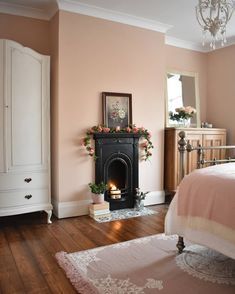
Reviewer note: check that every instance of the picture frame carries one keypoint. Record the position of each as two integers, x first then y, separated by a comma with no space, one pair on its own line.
117,109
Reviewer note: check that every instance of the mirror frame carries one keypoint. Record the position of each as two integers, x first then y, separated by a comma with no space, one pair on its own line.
197,102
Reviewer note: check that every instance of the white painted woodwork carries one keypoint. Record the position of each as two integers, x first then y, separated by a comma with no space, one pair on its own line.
18,180
19,197
2,161
24,130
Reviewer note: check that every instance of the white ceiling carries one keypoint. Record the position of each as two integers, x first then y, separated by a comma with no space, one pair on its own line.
175,17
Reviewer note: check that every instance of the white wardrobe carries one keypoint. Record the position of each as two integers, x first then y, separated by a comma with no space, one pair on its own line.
24,130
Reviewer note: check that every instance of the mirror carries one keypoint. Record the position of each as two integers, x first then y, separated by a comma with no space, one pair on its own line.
182,90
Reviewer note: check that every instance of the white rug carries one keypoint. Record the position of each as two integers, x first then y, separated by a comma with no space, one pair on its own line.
125,213
149,265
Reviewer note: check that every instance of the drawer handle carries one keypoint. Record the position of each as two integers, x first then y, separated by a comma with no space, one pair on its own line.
27,180
28,196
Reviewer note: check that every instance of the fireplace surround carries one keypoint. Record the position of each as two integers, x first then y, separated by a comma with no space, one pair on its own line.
117,164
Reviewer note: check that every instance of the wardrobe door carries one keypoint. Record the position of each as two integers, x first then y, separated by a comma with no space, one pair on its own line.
27,137
2,107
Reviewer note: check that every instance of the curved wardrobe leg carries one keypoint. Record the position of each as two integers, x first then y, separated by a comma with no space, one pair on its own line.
180,244
49,214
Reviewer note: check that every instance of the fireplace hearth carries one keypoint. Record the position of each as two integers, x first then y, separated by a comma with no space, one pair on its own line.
117,164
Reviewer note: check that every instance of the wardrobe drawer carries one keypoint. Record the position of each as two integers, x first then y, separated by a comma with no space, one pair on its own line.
23,181
24,197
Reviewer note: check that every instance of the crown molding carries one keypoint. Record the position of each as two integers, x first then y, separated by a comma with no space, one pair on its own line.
15,9
90,10
196,46
172,41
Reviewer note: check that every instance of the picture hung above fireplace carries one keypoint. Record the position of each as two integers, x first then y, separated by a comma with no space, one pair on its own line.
117,109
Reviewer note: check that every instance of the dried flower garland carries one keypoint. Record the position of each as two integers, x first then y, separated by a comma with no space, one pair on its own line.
147,145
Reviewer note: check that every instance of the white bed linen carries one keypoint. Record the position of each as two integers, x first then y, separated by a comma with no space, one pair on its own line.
222,238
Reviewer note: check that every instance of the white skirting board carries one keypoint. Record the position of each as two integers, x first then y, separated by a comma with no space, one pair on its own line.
154,197
78,208
70,208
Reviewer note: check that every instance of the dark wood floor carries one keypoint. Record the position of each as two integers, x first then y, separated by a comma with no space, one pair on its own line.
28,246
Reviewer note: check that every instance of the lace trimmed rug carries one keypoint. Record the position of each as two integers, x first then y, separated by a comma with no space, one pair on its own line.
149,265
125,213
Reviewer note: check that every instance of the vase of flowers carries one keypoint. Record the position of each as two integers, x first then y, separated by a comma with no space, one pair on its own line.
183,115
97,191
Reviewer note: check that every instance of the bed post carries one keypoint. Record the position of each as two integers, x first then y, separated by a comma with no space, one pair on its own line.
182,148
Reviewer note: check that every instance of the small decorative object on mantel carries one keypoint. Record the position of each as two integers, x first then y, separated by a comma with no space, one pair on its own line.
97,191
146,145
183,115
139,197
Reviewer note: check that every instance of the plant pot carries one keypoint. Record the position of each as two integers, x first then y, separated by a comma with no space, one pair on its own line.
97,198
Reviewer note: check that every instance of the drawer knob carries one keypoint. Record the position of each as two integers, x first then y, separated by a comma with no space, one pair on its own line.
27,180
28,196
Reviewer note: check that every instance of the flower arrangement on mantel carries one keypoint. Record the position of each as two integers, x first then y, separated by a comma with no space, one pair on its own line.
147,145
182,113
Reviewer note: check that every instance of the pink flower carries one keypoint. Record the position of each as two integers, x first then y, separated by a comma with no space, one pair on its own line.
118,129
142,129
135,130
100,129
149,135
190,110
91,152
91,131
145,144
106,130
180,109
128,129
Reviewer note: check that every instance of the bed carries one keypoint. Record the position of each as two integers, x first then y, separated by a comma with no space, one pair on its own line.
203,208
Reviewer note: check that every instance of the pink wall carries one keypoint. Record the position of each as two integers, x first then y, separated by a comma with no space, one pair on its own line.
192,61
32,33
221,90
98,55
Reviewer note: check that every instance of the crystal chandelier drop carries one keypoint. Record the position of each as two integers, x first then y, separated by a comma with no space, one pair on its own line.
213,16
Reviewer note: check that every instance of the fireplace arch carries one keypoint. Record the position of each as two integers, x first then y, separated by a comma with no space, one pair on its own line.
117,164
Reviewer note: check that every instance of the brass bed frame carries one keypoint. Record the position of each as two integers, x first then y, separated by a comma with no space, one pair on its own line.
185,146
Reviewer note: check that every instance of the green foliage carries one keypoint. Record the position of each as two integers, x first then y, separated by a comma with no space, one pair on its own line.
98,188
179,116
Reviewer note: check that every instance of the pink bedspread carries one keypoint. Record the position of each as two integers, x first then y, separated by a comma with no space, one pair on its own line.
209,193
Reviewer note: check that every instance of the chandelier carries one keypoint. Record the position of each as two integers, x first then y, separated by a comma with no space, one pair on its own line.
213,16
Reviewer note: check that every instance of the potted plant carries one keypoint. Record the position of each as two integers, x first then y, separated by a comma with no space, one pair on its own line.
97,191
139,199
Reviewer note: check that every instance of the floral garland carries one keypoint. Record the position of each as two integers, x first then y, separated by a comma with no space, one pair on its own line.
146,145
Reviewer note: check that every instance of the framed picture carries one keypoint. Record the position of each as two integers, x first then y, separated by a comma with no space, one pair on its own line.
117,109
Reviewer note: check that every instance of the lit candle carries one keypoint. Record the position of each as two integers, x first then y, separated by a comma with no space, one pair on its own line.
114,192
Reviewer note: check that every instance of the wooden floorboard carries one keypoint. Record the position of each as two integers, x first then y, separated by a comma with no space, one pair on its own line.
28,246
10,281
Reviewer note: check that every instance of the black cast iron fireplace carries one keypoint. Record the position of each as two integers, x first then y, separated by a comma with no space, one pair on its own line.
117,164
